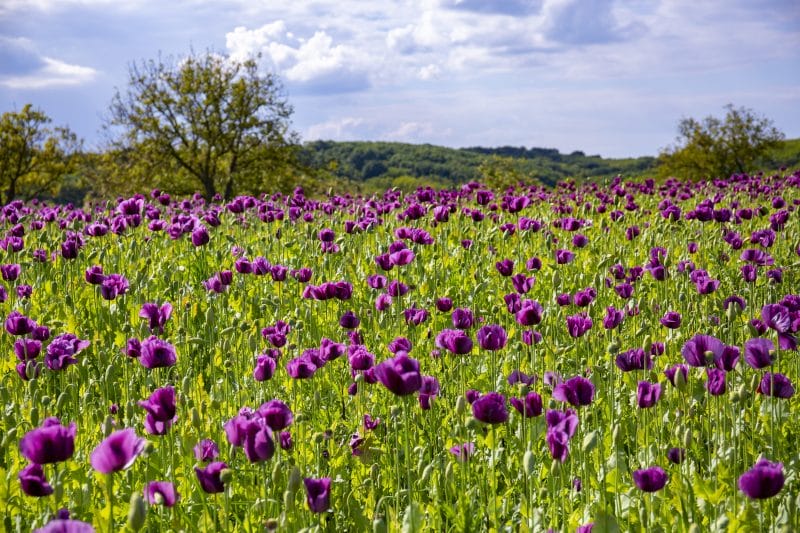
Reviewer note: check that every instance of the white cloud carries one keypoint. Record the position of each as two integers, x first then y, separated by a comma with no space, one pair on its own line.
336,130
26,69
315,63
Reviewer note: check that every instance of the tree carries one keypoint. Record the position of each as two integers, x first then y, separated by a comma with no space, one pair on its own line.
219,124
33,157
716,147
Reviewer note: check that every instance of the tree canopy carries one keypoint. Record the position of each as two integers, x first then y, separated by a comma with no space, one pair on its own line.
207,122
717,147
34,157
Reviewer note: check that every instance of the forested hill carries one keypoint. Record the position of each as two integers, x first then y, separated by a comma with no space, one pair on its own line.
387,161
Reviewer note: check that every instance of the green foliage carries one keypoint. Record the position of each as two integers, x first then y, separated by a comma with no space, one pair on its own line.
33,156
368,161
717,148
207,122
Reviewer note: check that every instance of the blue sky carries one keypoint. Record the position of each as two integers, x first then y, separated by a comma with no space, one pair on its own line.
606,77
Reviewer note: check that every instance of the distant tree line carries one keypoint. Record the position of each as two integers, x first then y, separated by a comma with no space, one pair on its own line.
222,127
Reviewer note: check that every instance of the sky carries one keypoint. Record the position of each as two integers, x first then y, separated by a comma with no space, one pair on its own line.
602,76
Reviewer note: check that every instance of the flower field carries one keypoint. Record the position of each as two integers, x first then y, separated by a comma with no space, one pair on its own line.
595,357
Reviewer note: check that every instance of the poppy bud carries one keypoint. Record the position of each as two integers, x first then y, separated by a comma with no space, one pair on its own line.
613,348
687,437
226,475
137,512
295,480
426,474
288,500
529,462
590,441
648,343
461,405
379,525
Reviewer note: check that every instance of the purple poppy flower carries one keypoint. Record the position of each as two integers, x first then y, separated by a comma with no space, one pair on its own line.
490,408
505,267
401,257
455,341
701,350
27,349
758,352
671,320
18,324
258,443
727,359
715,382
776,385
113,286
349,320
49,443
578,325
117,452
206,450
676,455
200,236
243,266
530,406
133,348
301,367
400,375
462,318
156,315
647,394
517,376
558,443
564,256
635,359
613,317
94,275
40,333
285,440
492,337
161,410
302,275
62,350
318,494
415,316
650,479
463,452
522,283
33,482
210,478
161,492
399,344
576,391
65,525
265,368
529,314
764,480
157,353
277,414
444,304
428,391
677,375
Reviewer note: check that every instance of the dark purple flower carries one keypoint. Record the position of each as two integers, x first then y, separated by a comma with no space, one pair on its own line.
462,318
522,283
650,479
677,375
463,452
564,256
62,350
399,344
613,317
318,494
33,482
490,408
776,385
400,375
26,349
635,359
676,455
529,314
517,376
161,410
156,316
265,368
492,337
94,275
401,257
206,450
576,391
210,478
505,267
161,492
530,406
702,350
444,304
113,286
764,480
133,348
428,391
715,382
61,525
285,440
258,442
19,324
200,236
301,367
277,414
647,394
117,452
349,320
157,353
671,320
758,352
727,359
578,325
